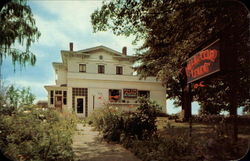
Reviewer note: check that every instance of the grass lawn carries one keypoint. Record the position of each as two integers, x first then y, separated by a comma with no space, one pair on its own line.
169,127
201,132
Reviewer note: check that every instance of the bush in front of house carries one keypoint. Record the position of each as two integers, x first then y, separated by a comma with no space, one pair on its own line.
116,125
142,123
36,134
108,120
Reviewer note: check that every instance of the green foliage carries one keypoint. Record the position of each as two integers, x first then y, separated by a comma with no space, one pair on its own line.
137,132
17,27
117,125
12,98
109,121
142,124
171,31
36,134
122,17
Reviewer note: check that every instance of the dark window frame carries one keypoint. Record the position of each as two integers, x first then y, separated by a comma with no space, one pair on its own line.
51,97
101,69
65,97
147,95
58,92
112,93
82,68
119,70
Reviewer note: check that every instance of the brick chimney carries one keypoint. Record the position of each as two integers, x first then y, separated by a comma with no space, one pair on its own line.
124,50
71,46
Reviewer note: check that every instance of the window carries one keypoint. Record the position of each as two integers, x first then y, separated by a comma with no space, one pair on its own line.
114,95
145,94
100,57
58,92
101,69
119,70
65,97
82,68
52,97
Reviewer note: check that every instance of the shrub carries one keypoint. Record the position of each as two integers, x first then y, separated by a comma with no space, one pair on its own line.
36,134
114,123
142,123
109,121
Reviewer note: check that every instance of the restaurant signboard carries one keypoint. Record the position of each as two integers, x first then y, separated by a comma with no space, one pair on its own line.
203,63
129,93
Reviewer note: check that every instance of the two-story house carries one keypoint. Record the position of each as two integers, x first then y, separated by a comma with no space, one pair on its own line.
90,78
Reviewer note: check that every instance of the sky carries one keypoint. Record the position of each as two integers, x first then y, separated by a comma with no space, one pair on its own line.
61,22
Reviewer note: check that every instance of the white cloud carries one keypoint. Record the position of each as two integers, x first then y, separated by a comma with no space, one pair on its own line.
50,35
69,18
72,23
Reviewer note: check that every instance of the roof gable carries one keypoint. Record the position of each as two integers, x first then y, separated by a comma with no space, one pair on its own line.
88,51
93,49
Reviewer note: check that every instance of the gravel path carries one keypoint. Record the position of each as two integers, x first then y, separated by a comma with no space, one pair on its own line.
89,146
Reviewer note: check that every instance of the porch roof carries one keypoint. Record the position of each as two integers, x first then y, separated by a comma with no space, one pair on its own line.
55,87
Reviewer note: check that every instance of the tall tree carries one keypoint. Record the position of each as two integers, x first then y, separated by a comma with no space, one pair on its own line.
17,27
171,30
17,97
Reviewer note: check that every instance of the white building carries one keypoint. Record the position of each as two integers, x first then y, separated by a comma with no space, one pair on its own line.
90,78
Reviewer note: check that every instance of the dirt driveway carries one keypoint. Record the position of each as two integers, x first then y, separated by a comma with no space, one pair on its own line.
88,146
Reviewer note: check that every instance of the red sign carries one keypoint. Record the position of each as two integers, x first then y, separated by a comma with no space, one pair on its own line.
129,93
196,85
203,63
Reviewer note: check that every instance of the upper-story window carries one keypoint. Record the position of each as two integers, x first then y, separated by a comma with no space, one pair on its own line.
82,68
119,70
100,57
101,69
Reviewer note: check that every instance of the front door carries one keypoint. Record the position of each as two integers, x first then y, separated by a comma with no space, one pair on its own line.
80,105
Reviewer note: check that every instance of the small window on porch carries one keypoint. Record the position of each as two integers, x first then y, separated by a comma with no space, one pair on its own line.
52,97
58,92
114,95
65,97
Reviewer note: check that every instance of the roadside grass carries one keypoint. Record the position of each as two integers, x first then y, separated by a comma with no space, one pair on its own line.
167,127
205,132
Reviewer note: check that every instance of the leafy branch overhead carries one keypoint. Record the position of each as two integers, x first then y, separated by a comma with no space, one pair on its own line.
171,31
17,27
